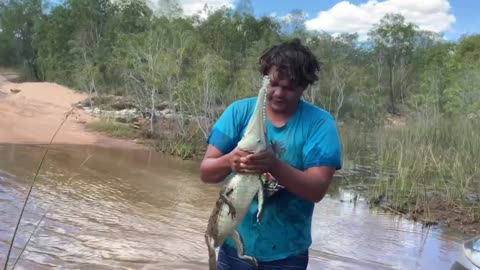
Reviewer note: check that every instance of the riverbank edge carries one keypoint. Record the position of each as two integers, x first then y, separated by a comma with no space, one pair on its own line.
437,213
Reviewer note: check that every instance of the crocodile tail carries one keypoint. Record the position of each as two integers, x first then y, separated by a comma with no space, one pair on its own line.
212,256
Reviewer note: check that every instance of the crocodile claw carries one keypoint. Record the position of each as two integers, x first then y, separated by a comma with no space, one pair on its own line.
231,211
231,208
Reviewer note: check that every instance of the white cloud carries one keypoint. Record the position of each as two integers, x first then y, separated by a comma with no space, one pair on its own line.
191,7
291,17
432,15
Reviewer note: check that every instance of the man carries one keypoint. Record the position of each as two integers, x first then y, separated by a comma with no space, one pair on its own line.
304,155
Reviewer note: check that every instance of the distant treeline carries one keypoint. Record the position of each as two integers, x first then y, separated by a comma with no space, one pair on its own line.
202,63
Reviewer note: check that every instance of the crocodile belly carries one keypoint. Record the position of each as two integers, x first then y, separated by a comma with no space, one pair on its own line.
245,187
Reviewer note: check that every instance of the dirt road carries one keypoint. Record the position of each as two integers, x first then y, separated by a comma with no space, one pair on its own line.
30,113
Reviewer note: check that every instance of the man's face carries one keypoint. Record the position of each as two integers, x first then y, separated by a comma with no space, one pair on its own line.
282,94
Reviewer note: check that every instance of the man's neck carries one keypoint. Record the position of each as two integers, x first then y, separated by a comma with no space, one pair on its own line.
280,118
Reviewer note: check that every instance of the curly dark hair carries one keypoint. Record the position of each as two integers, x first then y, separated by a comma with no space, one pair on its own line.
293,60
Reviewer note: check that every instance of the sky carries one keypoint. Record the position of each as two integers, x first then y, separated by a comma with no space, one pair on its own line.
452,18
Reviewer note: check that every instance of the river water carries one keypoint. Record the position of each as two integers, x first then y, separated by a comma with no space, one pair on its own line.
133,209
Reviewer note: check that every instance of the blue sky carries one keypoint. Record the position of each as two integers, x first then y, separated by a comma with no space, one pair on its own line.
463,15
468,18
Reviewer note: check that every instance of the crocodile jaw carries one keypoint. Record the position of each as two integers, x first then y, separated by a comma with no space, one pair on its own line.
254,138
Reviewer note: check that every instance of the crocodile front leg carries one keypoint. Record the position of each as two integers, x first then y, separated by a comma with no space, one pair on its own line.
224,196
240,251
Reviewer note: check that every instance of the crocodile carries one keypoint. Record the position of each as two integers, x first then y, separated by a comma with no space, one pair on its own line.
238,193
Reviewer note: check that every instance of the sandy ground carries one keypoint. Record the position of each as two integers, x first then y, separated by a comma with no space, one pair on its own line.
33,114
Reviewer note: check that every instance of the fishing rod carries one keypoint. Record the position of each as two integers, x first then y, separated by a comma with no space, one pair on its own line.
31,187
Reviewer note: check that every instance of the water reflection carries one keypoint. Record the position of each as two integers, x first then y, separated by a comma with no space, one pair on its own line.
377,240
131,209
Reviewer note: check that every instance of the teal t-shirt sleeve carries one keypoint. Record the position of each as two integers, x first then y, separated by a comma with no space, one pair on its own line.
225,133
323,145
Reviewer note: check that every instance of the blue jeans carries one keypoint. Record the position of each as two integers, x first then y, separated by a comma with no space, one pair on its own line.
228,260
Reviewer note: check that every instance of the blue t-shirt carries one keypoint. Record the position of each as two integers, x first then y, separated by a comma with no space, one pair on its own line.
308,139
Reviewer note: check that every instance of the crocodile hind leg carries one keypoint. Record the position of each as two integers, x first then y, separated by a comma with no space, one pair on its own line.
224,196
240,251
212,256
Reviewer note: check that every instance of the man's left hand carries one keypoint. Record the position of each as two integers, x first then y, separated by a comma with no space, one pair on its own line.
259,163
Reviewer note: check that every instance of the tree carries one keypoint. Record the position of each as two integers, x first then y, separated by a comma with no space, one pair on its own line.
166,8
18,20
230,35
393,39
244,7
463,91
294,22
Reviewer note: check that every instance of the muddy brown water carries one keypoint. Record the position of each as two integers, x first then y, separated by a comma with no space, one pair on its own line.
134,209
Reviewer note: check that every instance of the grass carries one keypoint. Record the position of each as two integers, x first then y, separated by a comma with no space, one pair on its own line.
15,74
114,129
356,143
185,145
6,69
430,165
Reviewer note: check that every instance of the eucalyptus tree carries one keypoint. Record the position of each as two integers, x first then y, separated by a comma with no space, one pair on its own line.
394,42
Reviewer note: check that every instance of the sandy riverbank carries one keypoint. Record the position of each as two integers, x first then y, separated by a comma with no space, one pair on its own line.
30,113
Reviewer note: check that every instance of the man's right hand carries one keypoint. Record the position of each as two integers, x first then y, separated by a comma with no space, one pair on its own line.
235,160
216,166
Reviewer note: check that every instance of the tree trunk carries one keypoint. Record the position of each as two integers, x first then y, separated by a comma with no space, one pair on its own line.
152,116
392,89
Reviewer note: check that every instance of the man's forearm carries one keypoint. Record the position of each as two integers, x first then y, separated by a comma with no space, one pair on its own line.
213,170
309,186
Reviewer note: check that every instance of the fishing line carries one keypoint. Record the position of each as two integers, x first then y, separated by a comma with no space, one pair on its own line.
30,190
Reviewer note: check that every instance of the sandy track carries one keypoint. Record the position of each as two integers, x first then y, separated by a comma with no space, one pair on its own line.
32,115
